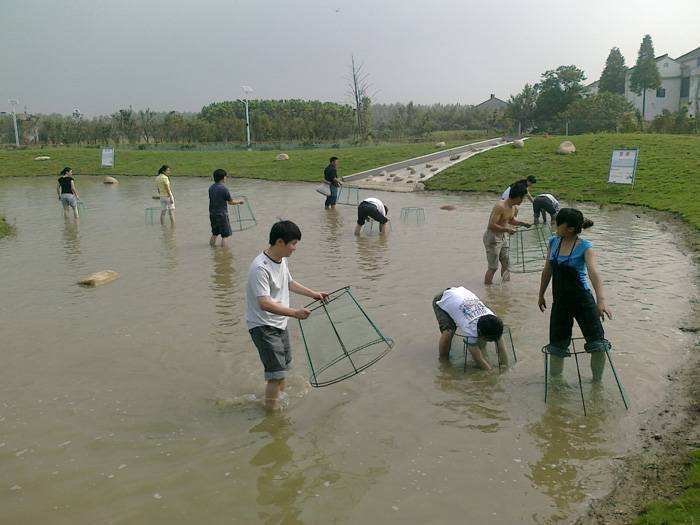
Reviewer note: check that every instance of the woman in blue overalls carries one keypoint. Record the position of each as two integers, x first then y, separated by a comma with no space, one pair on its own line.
568,258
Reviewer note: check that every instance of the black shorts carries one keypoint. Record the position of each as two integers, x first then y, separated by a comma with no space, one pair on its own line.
445,322
274,350
365,210
584,310
220,224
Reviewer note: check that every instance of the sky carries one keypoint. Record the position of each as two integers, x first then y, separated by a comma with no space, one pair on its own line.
99,55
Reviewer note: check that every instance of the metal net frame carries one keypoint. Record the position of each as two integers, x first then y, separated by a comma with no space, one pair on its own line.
507,335
150,214
528,248
322,371
349,196
371,226
241,216
412,215
572,351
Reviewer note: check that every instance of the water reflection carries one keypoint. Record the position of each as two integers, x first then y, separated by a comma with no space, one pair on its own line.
331,235
170,247
372,259
71,240
224,285
279,482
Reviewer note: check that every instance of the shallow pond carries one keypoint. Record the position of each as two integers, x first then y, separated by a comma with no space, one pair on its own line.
133,402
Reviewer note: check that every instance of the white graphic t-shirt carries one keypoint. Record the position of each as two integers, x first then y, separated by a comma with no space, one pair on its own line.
377,204
465,309
267,278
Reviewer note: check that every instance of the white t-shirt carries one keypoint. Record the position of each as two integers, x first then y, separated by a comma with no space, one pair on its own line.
377,204
465,309
267,278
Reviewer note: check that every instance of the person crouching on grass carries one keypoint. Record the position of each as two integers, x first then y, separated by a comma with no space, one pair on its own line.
267,306
568,258
460,309
219,199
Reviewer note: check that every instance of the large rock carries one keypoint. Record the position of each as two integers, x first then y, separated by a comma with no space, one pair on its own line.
98,278
42,157
519,143
448,207
110,180
282,156
566,148
397,179
434,169
440,144
455,157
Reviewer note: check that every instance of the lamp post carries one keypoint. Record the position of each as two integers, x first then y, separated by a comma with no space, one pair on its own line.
247,90
13,106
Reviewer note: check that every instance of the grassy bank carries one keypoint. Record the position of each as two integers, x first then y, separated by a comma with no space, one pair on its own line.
683,509
668,173
303,165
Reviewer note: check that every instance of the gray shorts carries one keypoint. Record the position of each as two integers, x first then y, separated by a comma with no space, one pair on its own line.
497,250
274,349
445,322
68,199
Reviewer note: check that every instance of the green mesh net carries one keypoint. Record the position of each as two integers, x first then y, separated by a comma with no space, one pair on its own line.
340,339
241,216
348,195
490,351
528,248
412,215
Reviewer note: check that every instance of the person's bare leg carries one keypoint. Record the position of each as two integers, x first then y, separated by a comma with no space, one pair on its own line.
212,240
382,228
357,229
475,351
65,209
488,278
172,217
505,274
223,242
504,259
162,217
445,344
272,390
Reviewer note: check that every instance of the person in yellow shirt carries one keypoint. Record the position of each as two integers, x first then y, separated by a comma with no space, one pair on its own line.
167,201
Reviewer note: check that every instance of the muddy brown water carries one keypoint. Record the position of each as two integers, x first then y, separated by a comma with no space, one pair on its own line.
135,402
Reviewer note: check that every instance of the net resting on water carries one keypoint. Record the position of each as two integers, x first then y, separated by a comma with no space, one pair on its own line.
340,339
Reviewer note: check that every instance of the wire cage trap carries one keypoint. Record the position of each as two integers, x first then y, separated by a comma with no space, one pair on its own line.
82,208
412,215
490,350
151,214
348,195
554,359
340,339
371,227
241,216
528,249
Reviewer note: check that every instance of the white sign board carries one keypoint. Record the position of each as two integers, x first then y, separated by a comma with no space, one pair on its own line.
623,166
107,157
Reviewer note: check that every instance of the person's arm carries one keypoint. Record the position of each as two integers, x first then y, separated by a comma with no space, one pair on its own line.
475,351
300,289
544,282
170,192
529,196
515,222
236,202
597,283
493,221
268,305
75,192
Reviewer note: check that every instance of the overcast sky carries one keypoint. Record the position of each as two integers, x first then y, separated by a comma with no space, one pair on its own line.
99,55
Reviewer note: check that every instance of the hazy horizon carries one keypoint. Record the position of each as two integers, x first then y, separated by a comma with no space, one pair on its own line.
180,55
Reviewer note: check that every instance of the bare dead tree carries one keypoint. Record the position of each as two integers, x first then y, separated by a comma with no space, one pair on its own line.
358,90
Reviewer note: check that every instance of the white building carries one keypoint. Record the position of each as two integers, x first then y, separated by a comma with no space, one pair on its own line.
680,86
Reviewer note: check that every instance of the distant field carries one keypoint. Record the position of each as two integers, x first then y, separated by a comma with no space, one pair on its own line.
303,165
668,173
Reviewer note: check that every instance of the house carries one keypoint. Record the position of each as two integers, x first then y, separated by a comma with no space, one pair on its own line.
492,104
680,86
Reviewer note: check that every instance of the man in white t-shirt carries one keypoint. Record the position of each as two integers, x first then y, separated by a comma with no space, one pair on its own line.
267,306
372,208
459,310
531,180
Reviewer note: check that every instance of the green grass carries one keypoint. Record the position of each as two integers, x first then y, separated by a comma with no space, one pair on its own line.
304,165
668,172
683,509
5,228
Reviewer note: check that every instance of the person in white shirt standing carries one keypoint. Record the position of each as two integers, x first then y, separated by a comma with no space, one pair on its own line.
460,310
372,208
267,306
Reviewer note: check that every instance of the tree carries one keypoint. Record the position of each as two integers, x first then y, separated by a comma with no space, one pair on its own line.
558,88
645,74
612,80
521,107
358,87
147,122
601,112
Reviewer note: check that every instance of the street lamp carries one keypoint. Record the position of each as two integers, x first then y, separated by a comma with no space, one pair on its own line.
13,106
247,90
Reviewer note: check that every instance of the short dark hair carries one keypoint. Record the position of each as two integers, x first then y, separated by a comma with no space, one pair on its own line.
518,190
163,169
219,175
285,230
333,159
573,218
65,170
489,327
531,179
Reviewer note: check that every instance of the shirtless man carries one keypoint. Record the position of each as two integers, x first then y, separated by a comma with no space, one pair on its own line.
501,221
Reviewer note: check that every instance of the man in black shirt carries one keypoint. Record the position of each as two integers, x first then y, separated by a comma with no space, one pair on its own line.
219,199
330,174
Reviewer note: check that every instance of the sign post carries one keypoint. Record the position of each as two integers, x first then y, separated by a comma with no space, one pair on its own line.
107,157
623,166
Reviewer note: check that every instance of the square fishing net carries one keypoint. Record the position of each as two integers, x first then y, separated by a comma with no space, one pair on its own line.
528,248
241,216
340,339
413,215
490,351
151,214
348,195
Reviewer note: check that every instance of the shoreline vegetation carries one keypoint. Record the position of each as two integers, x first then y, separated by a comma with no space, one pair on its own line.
6,228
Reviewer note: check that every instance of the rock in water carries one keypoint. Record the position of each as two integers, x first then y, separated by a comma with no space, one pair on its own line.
110,180
282,156
433,169
566,148
519,143
440,144
398,179
448,207
98,278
